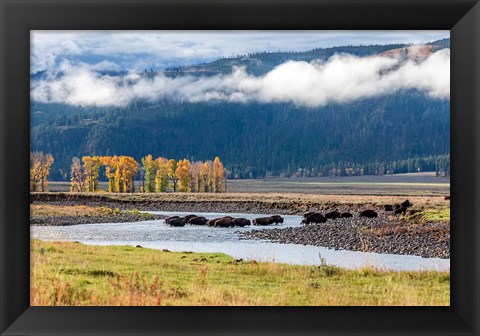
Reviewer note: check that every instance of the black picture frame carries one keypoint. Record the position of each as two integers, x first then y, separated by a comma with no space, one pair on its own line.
18,17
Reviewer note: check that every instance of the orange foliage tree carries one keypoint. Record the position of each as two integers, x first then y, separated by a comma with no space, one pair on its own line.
183,174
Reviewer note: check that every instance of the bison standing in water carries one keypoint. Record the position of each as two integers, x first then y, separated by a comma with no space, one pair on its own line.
167,220
241,222
224,222
277,219
197,221
177,222
263,221
368,213
188,217
315,217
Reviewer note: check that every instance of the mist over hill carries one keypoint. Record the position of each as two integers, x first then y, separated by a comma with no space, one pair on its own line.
394,125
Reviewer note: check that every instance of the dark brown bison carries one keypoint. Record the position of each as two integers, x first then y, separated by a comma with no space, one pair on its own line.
197,221
188,217
224,222
406,204
263,221
397,206
315,217
308,213
169,218
277,219
447,198
241,222
177,222
388,207
332,215
211,222
402,210
368,213
346,215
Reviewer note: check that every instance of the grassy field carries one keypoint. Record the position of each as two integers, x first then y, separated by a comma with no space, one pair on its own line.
77,274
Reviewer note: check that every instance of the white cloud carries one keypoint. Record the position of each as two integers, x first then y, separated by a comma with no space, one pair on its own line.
343,78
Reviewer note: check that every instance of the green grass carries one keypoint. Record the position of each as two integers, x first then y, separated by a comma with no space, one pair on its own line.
77,274
439,214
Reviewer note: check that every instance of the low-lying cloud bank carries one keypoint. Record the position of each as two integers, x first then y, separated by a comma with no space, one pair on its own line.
341,79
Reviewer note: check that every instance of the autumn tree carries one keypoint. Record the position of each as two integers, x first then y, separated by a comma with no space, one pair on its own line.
150,166
171,168
161,175
76,179
111,165
40,165
91,171
206,175
125,173
218,174
183,174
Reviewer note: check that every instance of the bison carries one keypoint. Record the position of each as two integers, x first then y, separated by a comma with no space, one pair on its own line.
188,217
241,222
167,220
388,207
315,217
447,198
308,213
346,215
368,213
224,222
197,221
332,215
406,204
177,222
211,222
402,210
263,221
277,219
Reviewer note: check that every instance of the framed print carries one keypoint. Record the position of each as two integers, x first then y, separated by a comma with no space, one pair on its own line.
264,167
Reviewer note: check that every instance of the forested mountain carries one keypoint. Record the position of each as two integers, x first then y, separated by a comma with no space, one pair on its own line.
399,132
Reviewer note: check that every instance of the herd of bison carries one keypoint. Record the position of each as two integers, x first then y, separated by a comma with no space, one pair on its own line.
308,217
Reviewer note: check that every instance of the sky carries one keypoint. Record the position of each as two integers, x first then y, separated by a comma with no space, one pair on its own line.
137,50
72,60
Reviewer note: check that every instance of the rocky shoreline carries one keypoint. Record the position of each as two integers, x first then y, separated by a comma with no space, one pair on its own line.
429,240
75,220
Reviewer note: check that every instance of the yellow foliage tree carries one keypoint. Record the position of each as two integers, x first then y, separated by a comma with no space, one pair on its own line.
91,171
40,165
161,175
150,166
183,174
111,165
218,174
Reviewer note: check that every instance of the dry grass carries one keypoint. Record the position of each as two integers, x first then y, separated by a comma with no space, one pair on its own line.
70,210
76,274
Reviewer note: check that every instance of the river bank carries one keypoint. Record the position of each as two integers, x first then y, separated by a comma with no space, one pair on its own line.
66,215
125,275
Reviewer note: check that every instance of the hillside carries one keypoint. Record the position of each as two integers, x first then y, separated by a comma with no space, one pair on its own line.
387,132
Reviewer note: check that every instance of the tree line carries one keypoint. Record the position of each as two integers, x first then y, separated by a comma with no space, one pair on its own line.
158,175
